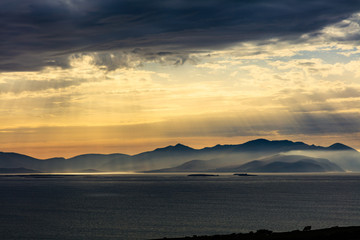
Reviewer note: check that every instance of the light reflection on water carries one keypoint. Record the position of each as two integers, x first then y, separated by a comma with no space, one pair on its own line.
144,206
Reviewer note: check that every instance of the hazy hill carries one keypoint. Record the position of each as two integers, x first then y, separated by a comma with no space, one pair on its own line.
173,156
277,163
348,160
193,166
285,163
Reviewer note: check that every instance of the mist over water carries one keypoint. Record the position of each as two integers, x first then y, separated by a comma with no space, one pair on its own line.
145,206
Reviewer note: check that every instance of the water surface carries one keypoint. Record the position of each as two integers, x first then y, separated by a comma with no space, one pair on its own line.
145,206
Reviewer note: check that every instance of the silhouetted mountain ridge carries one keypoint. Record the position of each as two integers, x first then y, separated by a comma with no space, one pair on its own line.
340,147
277,146
175,155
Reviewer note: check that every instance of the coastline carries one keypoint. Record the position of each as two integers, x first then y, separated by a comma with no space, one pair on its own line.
333,233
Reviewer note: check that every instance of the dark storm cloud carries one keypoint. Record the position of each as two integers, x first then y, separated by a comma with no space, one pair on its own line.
38,33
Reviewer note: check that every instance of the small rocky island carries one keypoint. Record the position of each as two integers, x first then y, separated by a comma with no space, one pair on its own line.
244,175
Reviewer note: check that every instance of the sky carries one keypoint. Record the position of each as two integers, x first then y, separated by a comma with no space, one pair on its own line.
106,76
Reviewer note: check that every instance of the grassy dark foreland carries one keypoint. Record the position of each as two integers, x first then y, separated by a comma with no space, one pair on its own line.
334,233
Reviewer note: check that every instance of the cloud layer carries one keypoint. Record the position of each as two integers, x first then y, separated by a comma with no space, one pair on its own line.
41,33
117,73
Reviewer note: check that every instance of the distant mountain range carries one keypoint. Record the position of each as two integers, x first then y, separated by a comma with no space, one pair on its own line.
17,170
274,156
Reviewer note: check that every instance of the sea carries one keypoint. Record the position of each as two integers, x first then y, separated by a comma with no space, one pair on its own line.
149,206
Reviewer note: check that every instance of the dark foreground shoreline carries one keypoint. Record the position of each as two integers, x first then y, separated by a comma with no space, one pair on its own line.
334,233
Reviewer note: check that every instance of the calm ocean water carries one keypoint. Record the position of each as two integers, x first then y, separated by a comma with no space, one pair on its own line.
155,206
